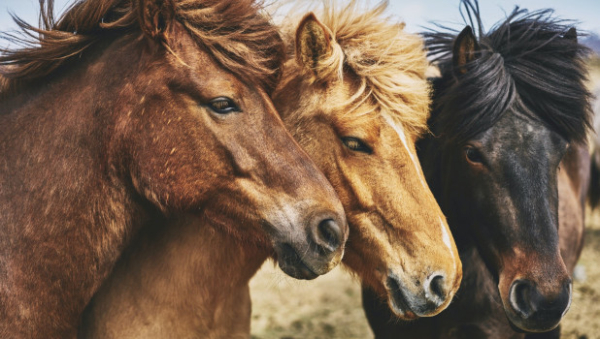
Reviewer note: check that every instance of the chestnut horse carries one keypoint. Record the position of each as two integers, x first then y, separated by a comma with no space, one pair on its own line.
509,168
123,113
355,97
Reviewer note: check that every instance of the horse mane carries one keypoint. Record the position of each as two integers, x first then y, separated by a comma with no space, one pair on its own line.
389,62
234,32
526,61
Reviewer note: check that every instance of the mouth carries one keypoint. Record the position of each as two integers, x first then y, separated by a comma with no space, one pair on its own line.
398,301
515,327
524,326
292,264
301,271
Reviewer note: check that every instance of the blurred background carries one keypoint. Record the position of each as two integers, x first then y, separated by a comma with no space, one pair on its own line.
414,13
330,306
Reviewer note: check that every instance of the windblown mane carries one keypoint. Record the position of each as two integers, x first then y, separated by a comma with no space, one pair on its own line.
238,36
525,60
390,62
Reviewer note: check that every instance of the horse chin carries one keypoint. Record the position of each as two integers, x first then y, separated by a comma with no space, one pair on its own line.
292,264
407,304
297,270
400,312
399,305
524,326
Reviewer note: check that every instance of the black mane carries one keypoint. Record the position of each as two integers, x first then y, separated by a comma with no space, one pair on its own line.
525,62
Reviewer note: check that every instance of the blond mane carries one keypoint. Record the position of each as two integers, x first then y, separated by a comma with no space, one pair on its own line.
235,32
390,62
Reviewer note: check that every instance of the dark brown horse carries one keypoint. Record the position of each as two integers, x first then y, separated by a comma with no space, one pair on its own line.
508,166
124,113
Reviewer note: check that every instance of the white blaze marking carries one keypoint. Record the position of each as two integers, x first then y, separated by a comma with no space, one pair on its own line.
445,235
446,239
400,131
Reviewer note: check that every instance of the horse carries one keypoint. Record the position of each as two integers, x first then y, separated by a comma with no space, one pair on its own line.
355,96
122,113
508,163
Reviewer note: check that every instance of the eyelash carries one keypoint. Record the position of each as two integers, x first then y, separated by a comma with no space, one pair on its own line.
357,145
223,105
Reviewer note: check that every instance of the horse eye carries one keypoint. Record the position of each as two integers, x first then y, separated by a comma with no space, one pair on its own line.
473,155
357,145
223,105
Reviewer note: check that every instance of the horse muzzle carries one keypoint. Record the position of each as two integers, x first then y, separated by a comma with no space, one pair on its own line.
426,301
531,310
315,253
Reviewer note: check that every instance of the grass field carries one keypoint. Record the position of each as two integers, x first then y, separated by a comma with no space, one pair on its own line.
330,307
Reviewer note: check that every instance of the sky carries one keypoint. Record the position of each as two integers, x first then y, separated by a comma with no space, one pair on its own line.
415,13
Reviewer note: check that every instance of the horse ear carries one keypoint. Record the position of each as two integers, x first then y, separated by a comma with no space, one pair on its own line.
464,50
571,34
313,43
156,17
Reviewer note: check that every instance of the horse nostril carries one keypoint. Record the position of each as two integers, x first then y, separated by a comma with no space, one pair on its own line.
520,298
423,303
436,288
329,234
398,297
538,309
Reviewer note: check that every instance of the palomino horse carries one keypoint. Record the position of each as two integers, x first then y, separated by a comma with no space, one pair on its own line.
126,112
509,168
355,97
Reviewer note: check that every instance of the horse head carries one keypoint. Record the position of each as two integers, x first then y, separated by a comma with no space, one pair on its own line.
503,131
355,98
201,133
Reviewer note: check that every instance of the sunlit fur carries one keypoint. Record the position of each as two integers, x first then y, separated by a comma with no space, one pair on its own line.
107,128
370,83
241,41
389,62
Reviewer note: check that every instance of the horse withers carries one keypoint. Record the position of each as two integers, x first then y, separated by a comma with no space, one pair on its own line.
340,99
123,113
508,164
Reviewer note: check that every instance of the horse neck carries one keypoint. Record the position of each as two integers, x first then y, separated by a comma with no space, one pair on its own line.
69,117
58,194
183,272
